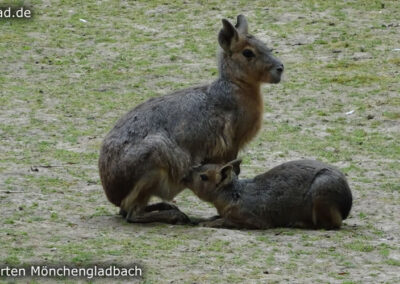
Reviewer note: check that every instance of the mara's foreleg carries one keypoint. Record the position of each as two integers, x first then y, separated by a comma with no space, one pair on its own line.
221,223
199,220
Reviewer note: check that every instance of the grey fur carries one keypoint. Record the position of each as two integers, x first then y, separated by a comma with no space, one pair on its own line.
303,193
152,148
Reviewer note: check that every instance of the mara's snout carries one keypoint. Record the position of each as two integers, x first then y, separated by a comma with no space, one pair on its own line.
276,73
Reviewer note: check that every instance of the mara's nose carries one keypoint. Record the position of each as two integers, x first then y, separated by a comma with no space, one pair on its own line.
280,68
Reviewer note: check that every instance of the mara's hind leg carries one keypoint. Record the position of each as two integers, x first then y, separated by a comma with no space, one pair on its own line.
326,215
171,216
160,174
135,209
161,206
159,212
331,199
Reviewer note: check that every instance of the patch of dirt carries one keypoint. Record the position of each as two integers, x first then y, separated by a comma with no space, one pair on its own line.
53,208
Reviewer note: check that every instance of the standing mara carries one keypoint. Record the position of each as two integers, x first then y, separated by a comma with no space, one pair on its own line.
153,147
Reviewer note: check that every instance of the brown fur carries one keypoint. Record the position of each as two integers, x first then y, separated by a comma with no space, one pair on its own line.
305,193
153,147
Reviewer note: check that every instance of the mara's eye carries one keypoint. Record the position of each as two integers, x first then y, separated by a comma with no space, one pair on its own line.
204,177
248,53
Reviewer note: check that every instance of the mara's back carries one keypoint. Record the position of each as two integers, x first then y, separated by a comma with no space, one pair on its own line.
191,119
285,194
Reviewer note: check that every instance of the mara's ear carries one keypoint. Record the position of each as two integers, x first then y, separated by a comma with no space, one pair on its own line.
227,36
241,24
236,165
226,173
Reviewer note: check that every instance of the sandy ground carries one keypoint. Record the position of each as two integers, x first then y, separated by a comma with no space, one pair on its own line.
54,115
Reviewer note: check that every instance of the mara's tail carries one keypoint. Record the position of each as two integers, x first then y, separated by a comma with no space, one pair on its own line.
331,199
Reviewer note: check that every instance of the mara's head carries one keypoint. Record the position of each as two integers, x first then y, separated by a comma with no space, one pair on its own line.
206,179
245,58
